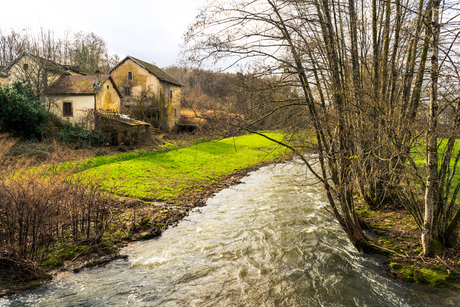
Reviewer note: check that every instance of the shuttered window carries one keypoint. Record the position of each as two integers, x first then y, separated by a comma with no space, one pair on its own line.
67,109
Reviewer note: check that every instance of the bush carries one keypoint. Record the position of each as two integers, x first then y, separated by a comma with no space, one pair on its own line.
39,208
76,135
21,112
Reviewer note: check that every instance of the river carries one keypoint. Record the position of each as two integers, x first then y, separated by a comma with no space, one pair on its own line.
265,242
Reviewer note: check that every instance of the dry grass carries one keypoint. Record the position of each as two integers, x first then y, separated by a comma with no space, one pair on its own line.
201,117
17,154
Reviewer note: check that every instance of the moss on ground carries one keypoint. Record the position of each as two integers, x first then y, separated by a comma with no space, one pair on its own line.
434,275
397,231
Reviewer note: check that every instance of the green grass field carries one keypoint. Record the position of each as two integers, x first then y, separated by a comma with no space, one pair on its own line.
165,176
419,156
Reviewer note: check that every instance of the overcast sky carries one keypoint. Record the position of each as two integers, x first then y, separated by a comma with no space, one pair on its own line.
150,30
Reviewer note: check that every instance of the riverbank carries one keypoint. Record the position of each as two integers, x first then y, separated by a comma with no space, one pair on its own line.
394,229
130,218
267,241
143,217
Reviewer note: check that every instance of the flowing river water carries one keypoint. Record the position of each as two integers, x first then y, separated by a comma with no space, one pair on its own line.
265,242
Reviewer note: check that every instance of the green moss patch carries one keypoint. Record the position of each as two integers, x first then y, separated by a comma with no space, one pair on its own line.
428,274
61,252
396,230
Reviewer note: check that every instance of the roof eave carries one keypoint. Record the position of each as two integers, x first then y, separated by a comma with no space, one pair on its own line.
140,64
70,94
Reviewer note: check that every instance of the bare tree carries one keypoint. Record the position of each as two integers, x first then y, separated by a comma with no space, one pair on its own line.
360,69
86,50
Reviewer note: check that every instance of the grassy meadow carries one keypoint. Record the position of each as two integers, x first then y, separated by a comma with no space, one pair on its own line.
168,175
419,156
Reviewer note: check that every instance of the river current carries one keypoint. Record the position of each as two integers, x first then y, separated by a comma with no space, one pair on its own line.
265,242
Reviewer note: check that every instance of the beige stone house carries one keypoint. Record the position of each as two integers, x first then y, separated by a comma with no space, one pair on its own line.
38,72
71,97
145,85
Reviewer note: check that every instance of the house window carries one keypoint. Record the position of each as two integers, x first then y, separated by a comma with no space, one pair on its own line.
130,75
175,113
170,94
107,87
127,91
67,109
25,66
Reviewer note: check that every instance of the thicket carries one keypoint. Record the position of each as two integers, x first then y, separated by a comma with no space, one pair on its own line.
229,100
21,112
38,208
78,136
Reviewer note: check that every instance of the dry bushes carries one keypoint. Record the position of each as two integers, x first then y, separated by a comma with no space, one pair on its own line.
38,208
17,154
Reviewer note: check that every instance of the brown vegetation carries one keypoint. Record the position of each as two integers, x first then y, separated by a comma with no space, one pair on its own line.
40,208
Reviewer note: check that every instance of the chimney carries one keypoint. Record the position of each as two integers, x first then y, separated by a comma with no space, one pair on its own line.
98,76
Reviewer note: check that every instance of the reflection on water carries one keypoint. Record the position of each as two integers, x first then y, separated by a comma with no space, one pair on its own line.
265,242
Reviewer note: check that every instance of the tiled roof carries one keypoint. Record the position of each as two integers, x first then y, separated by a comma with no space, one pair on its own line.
125,120
48,64
156,71
75,68
79,85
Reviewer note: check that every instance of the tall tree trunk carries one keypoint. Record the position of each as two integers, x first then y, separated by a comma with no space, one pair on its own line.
432,143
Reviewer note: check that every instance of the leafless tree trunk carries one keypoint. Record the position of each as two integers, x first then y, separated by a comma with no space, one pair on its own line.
364,100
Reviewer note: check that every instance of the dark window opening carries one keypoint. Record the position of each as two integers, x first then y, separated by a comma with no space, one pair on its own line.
107,87
130,75
25,66
175,113
67,110
127,91
170,94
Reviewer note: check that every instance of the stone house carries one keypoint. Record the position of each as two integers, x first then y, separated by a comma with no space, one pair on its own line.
38,72
70,97
144,85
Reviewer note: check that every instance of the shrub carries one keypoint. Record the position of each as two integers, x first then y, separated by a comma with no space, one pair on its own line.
76,135
38,208
21,112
